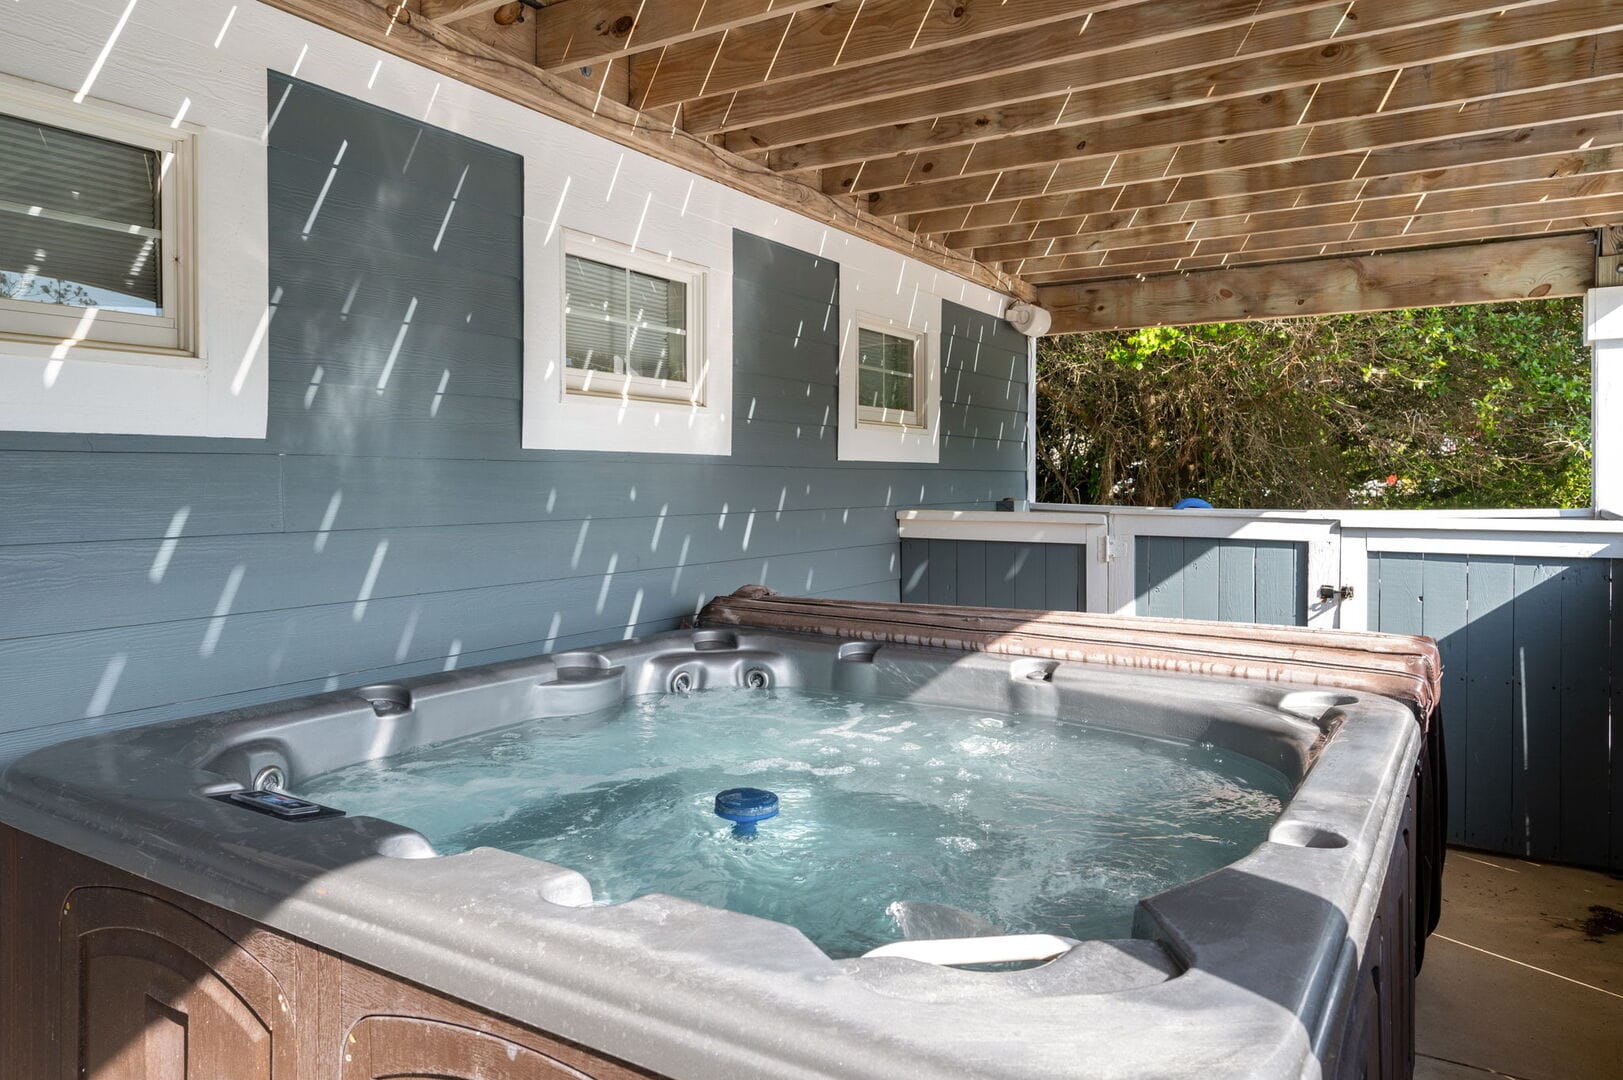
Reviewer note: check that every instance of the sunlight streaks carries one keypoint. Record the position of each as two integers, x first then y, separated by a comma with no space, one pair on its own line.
166,550
451,209
252,351
309,222
370,581
225,26
327,520
399,340
222,611
103,695
106,50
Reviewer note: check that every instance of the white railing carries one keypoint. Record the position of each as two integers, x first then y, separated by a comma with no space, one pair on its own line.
1338,543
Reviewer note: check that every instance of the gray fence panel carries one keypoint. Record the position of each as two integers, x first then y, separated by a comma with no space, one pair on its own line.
1262,581
1531,666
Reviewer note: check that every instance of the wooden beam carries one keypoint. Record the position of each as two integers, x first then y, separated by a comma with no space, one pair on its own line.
580,33
1162,261
1609,256
1480,274
1309,49
1422,231
1018,50
461,57
841,35
1565,118
1361,112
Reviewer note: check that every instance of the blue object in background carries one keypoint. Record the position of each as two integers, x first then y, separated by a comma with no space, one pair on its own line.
745,806
1192,504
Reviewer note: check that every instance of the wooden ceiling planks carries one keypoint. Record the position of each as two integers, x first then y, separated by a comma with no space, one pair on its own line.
1030,143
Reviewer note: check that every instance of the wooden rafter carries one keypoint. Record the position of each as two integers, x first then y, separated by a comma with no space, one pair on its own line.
1383,61
1502,90
1161,202
838,36
1023,49
1478,274
578,33
1311,155
1351,220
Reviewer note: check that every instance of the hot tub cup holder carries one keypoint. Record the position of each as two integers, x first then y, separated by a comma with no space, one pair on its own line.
1037,671
858,652
1312,705
1305,834
386,699
714,641
582,667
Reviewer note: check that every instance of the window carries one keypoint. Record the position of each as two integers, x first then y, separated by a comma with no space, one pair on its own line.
626,350
890,389
134,291
93,229
630,326
888,383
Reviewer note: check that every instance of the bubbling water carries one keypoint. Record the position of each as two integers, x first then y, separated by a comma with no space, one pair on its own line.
897,819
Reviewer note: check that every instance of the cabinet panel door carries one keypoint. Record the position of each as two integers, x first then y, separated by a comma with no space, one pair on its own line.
409,1048
154,993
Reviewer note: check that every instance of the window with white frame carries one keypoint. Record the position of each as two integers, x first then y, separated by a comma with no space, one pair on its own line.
890,389
632,325
890,384
94,229
627,350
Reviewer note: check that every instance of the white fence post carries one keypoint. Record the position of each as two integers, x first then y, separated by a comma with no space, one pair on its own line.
1603,330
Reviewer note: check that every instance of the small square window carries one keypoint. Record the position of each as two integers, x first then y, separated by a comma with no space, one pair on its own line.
889,386
629,326
93,232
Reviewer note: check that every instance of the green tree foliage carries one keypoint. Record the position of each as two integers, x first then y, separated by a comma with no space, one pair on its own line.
1483,406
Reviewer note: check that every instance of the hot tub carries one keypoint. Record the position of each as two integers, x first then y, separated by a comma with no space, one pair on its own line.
1281,947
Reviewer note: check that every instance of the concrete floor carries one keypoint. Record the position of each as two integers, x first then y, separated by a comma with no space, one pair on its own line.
1524,976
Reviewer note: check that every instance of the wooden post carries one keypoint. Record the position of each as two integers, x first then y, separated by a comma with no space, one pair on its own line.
1609,256
1603,330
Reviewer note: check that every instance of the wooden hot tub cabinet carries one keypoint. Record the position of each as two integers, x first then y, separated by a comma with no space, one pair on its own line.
109,977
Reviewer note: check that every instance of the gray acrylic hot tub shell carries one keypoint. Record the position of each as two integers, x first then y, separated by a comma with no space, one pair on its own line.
1241,973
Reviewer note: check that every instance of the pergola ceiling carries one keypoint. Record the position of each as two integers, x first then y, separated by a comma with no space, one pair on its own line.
1063,143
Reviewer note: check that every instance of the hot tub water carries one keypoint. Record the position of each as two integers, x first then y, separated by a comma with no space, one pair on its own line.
895,819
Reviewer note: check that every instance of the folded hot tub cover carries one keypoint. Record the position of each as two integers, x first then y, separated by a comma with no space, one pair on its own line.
1404,667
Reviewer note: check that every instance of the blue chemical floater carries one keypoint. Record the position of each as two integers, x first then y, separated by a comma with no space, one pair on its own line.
744,807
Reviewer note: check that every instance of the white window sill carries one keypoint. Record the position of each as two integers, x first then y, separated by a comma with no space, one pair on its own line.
621,425
121,392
